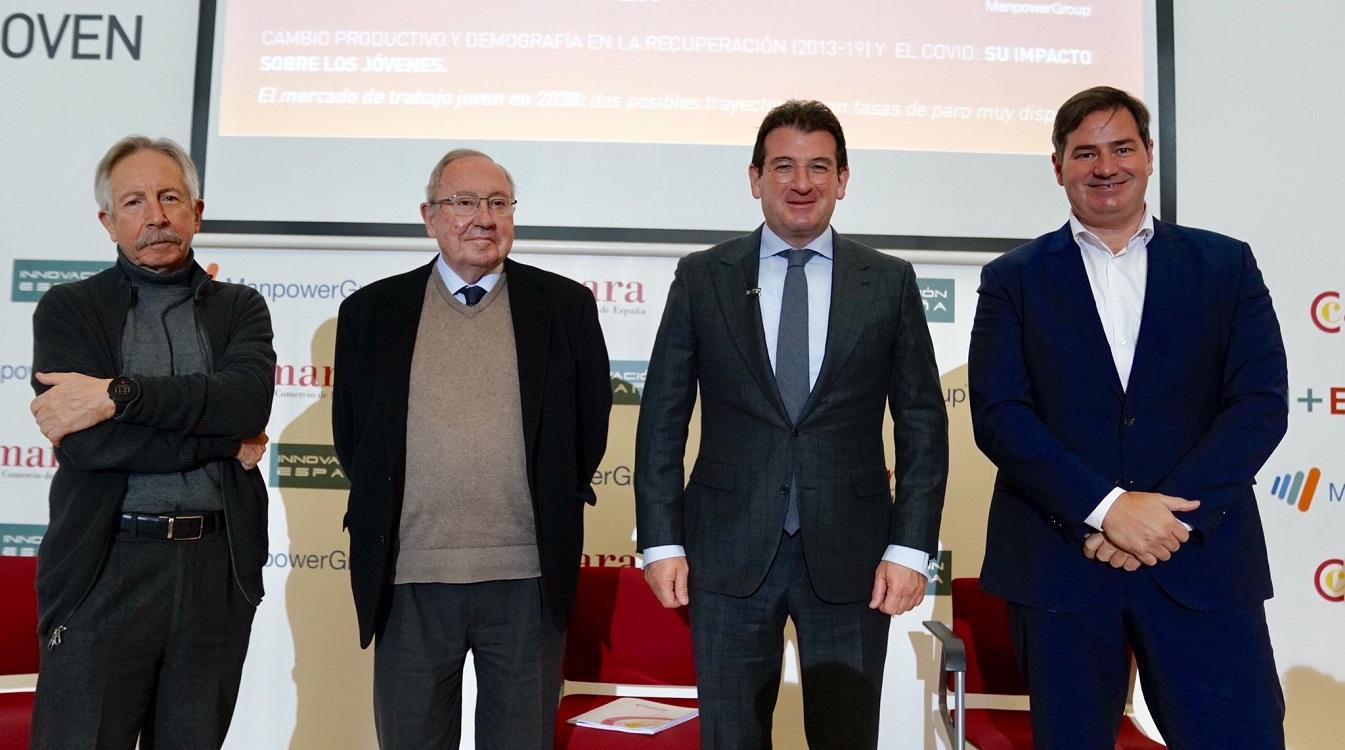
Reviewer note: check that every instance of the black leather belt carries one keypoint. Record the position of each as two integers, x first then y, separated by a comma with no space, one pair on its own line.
179,527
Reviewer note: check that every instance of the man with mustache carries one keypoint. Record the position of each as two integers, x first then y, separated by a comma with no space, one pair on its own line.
154,386
1128,380
469,410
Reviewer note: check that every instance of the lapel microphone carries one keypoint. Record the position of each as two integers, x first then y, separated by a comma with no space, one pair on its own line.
754,292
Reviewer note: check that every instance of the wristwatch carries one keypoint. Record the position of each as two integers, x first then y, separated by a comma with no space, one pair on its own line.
122,390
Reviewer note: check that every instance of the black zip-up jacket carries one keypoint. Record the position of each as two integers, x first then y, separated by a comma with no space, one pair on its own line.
178,423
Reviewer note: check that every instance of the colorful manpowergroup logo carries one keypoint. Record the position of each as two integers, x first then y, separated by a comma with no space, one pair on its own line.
32,278
940,297
628,378
1327,312
20,539
1330,580
307,466
1299,489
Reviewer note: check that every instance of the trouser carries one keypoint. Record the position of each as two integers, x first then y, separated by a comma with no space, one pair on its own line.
419,657
739,645
1209,677
154,653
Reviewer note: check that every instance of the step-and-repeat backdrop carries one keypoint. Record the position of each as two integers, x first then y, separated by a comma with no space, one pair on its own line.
73,81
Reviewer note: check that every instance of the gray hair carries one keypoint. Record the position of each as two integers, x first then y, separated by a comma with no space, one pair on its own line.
102,176
456,155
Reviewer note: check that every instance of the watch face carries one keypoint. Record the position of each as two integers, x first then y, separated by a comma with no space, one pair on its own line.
121,389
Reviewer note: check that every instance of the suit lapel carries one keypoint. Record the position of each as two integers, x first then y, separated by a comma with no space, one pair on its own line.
852,293
398,324
734,281
1166,277
1070,283
532,342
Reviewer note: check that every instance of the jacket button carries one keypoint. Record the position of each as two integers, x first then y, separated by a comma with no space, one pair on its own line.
1129,422
796,432
382,539
784,489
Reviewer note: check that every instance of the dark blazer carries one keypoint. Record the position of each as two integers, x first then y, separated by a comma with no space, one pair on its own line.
1205,406
179,422
564,390
878,354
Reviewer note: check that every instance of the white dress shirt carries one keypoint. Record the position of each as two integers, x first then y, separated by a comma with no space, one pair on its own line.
1118,281
770,294
454,282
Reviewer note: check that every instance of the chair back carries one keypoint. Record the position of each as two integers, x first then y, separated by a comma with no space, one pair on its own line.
981,620
18,624
619,633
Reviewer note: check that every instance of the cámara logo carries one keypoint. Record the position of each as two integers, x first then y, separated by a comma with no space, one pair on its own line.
1330,580
307,466
617,296
32,278
939,296
27,461
1326,311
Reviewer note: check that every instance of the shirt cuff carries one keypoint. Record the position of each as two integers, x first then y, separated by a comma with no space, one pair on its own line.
1094,519
907,557
663,552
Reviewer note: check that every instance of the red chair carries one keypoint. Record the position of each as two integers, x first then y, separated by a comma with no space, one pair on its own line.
621,635
977,657
18,646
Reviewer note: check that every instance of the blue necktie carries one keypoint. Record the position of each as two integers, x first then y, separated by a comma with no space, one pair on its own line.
473,294
791,358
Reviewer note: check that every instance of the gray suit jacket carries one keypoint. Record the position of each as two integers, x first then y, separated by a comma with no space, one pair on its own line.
729,516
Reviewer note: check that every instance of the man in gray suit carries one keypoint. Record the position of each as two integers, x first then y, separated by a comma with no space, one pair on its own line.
796,339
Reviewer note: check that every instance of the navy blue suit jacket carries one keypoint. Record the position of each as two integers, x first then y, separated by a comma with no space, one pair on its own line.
1205,406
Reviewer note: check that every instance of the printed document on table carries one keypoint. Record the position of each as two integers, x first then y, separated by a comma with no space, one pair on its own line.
635,715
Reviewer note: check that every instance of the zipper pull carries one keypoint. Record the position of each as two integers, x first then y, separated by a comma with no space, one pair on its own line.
55,637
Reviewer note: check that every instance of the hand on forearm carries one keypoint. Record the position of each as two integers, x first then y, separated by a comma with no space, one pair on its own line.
251,450
1143,524
74,402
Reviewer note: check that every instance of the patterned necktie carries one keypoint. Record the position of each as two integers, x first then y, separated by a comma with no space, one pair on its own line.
791,357
473,294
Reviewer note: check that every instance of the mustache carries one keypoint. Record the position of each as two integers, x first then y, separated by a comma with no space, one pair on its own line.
155,236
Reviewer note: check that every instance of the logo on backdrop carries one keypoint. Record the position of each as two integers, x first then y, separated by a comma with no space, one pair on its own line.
281,291
307,466
1301,488
1330,580
20,539
617,476
955,396
1327,311
940,574
628,381
600,560
79,36
32,278
27,462
1331,401
939,296
617,296
303,381
334,560
18,372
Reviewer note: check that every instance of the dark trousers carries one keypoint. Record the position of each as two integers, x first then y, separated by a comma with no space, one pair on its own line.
155,652
419,657
1209,677
739,645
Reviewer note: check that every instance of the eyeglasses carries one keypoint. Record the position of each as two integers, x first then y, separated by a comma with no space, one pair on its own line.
819,173
466,205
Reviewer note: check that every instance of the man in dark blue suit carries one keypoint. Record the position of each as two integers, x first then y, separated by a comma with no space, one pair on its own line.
1128,380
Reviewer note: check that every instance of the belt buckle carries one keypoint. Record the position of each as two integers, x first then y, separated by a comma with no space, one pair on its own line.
172,527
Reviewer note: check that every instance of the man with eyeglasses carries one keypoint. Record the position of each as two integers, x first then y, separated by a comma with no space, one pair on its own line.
797,339
469,410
